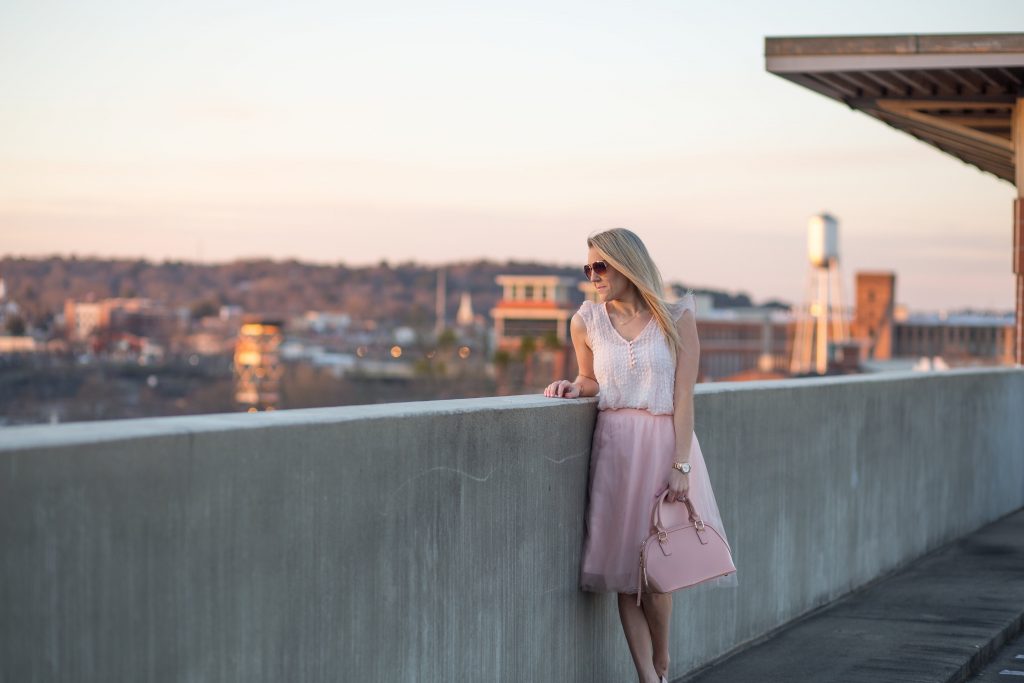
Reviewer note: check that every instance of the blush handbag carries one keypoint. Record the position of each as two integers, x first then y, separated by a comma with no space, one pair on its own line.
681,551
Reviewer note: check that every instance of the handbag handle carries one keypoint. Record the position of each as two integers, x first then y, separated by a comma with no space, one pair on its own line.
656,512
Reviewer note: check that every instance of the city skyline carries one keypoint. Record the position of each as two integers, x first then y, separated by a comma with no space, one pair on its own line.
330,134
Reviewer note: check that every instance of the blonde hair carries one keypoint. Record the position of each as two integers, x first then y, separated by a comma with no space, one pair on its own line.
626,253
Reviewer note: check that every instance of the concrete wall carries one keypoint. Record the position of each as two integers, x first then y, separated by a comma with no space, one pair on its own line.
440,541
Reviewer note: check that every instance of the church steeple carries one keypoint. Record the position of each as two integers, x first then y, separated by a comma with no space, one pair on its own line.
464,316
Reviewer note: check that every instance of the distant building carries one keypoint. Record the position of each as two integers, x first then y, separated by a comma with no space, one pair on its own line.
8,307
536,306
140,317
81,319
888,332
959,339
322,322
874,313
206,343
19,344
126,347
257,366
744,343
230,312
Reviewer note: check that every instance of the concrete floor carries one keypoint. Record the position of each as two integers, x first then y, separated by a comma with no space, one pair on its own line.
940,619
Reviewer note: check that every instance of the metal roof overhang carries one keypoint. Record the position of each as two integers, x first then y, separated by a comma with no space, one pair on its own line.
955,92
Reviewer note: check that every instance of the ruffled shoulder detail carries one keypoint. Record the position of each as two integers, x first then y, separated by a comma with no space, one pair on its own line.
586,312
686,302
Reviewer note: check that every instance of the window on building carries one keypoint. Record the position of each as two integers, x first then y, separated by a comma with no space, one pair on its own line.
516,327
528,292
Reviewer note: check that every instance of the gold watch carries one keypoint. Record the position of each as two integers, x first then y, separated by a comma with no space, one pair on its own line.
683,467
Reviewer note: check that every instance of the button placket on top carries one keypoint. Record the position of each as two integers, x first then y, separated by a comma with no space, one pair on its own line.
631,354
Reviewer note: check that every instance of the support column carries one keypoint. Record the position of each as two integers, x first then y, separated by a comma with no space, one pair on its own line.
1018,225
1018,269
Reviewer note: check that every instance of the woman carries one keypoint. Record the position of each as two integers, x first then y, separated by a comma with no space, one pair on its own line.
640,356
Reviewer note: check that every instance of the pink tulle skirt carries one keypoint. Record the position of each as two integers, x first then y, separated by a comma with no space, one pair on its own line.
630,461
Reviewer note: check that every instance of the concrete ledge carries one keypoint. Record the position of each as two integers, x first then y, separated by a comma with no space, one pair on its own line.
110,431
440,540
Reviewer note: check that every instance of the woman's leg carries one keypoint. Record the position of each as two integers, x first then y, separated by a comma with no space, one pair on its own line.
658,611
638,636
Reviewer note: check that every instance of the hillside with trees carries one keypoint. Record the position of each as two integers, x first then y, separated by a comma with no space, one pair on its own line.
403,293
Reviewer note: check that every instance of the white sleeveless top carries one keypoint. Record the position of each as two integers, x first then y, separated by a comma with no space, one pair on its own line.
633,374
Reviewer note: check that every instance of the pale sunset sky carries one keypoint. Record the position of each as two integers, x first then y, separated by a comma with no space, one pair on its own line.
340,132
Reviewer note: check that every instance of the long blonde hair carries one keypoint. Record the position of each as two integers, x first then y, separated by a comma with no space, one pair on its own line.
626,253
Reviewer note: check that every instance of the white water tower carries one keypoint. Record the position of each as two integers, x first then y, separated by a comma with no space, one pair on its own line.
821,318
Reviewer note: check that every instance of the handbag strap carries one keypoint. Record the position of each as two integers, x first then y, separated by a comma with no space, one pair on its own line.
656,512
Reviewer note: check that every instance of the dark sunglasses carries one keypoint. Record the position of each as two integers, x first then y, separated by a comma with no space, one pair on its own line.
599,267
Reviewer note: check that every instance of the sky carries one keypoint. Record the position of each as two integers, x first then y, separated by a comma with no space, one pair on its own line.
437,132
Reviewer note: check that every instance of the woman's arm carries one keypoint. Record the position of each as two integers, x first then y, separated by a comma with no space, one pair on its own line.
687,368
584,384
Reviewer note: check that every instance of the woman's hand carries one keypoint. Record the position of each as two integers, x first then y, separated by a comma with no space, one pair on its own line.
563,388
678,485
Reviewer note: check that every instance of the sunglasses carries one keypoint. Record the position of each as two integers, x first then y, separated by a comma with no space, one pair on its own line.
599,267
